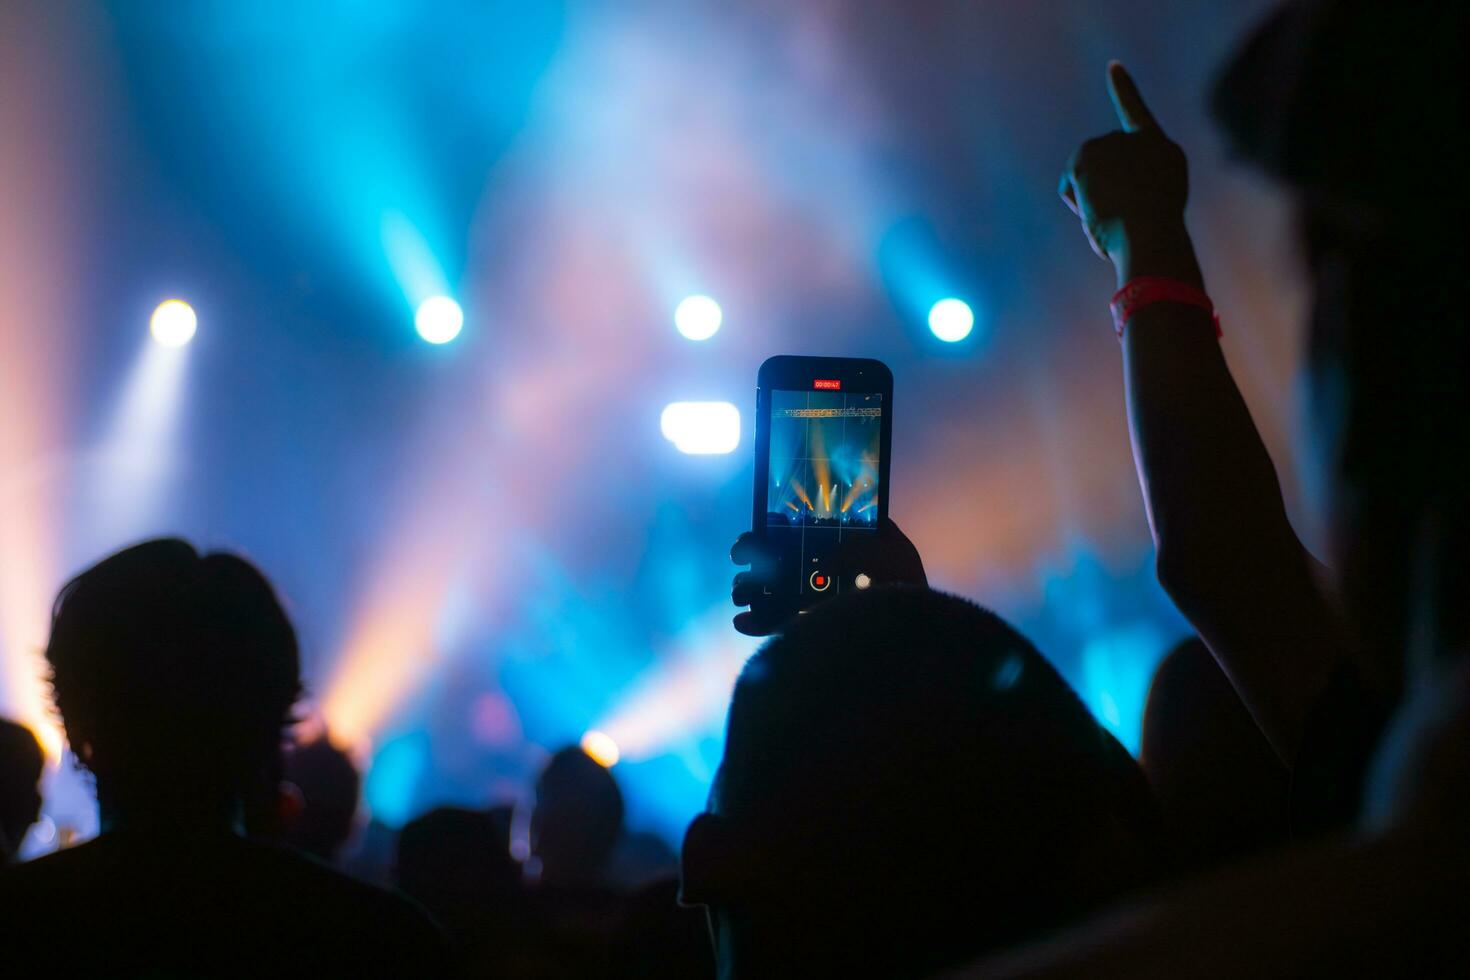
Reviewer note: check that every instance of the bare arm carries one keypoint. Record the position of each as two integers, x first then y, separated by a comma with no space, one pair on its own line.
1227,554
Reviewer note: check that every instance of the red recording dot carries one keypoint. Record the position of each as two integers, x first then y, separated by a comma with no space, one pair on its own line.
821,580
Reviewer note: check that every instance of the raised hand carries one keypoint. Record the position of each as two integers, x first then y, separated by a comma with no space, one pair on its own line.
1129,188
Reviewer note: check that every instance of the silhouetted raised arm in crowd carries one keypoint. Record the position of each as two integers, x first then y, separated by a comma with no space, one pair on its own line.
1227,555
1352,106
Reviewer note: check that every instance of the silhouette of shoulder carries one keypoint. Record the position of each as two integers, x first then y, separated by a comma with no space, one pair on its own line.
210,905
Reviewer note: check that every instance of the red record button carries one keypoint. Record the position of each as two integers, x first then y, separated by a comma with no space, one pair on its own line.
820,581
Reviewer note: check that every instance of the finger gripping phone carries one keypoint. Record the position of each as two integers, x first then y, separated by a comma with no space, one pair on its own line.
824,428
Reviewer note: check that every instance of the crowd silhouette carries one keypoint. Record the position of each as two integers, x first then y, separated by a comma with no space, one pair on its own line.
21,765
909,788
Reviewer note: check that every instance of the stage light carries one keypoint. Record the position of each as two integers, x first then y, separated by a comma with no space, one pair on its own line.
702,428
139,447
439,319
173,323
698,317
951,320
687,696
602,749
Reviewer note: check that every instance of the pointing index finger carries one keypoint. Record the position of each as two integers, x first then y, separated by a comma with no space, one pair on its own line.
1133,113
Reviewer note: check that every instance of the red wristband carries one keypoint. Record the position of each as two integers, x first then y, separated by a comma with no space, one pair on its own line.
1141,291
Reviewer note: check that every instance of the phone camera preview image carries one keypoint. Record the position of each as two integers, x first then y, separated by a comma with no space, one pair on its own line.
822,487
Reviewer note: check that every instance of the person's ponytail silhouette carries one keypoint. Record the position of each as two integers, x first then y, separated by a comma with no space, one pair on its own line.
175,674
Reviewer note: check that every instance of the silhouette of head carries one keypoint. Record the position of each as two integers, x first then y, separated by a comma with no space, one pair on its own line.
174,673
906,784
577,820
451,858
329,785
21,763
1386,361
1221,788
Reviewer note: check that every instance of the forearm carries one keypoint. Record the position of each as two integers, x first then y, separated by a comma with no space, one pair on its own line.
1206,477
1227,553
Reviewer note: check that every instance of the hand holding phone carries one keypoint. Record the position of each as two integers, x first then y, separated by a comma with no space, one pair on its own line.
819,521
888,557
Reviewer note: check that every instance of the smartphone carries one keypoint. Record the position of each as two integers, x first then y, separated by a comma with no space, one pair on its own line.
824,427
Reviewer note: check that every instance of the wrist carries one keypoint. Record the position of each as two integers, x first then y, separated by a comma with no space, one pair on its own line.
1145,291
1165,252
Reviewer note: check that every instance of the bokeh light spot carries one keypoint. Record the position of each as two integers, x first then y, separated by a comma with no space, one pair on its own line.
698,317
493,720
951,320
701,428
173,323
602,749
439,319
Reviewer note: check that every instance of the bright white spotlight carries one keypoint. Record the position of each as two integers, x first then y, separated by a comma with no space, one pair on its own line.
439,319
602,749
173,323
698,317
951,320
701,428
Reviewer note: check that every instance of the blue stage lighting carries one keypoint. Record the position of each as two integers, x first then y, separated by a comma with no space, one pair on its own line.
393,778
698,317
173,323
1117,665
951,320
439,319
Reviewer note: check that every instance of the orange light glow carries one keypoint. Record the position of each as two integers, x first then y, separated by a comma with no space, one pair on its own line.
821,466
398,636
687,692
601,747
36,275
801,494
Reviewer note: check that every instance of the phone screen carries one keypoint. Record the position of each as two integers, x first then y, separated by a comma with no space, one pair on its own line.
823,482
